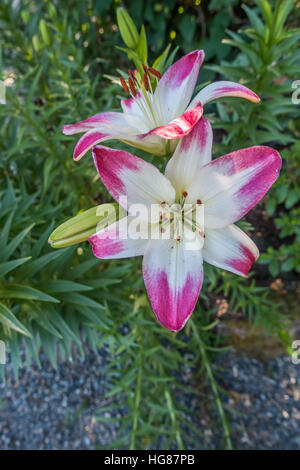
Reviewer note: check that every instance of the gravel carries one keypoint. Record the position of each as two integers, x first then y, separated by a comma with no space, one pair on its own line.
48,409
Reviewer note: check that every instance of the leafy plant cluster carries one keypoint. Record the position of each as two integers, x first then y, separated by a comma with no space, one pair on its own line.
54,61
268,62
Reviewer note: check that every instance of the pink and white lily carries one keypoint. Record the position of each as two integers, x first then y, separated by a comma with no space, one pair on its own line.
150,119
225,188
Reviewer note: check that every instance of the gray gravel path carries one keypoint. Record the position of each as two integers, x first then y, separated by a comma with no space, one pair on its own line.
56,410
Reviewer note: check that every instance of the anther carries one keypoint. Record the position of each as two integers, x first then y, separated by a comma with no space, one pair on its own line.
199,202
131,86
124,85
184,193
163,204
145,69
178,239
146,83
131,75
155,72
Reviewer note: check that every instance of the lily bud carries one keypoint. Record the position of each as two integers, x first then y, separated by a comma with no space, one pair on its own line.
82,226
127,28
36,42
45,33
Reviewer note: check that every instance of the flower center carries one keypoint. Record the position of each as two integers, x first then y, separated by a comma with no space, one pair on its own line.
141,87
176,218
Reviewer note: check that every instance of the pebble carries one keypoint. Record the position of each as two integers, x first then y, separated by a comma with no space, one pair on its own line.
48,409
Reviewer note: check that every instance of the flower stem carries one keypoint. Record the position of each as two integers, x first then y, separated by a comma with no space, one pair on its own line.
137,401
173,419
213,384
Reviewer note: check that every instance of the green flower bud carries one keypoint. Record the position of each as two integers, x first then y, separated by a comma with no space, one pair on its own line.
52,11
127,28
45,33
36,42
82,226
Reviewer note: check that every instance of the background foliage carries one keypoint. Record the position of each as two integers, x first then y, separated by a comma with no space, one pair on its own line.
54,59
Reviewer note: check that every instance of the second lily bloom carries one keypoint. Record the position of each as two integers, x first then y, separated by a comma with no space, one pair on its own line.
151,118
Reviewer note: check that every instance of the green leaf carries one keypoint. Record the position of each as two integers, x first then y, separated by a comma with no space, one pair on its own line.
6,252
7,318
60,285
142,49
159,63
10,265
15,291
39,264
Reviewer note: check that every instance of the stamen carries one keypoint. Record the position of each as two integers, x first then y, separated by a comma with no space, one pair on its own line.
146,82
131,86
145,69
184,193
131,75
155,72
199,202
124,85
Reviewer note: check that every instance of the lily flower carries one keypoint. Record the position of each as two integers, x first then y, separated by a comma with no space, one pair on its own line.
225,188
152,117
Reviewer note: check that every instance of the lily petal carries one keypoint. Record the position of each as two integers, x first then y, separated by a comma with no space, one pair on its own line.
98,121
231,249
131,180
231,185
129,128
87,141
192,152
173,277
176,87
180,126
116,241
224,88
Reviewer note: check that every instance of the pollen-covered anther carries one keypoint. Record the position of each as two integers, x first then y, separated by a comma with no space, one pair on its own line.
131,86
184,193
124,85
199,202
145,69
146,82
178,239
154,72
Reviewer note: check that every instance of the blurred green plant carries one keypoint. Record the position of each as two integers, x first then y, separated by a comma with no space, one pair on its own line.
267,63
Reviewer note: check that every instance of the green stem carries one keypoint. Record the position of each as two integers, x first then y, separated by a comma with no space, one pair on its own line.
213,384
173,419
137,401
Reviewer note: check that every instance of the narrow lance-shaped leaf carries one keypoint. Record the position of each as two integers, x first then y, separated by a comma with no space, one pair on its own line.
7,318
